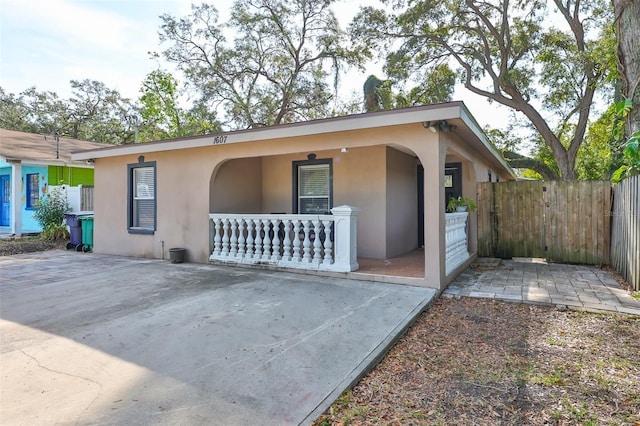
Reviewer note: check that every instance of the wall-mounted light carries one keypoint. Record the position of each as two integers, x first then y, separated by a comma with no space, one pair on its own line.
430,125
441,125
91,161
344,150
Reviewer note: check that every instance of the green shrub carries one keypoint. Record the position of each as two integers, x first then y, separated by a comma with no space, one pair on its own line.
49,212
55,232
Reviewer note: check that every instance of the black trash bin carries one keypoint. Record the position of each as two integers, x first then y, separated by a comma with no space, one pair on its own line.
72,219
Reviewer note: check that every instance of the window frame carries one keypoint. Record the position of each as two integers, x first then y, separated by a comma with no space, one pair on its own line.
310,162
29,191
141,164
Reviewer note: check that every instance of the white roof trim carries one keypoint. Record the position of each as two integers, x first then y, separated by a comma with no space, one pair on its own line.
332,125
57,163
445,111
473,125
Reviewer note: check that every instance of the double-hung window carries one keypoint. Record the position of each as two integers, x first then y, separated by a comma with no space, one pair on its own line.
142,197
313,186
33,190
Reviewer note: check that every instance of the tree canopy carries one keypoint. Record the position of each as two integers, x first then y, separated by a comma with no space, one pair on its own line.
163,115
543,59
93,112
270,64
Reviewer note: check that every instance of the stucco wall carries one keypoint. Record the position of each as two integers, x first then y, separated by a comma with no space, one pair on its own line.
236,187
358,180
363,177
402,203
182,205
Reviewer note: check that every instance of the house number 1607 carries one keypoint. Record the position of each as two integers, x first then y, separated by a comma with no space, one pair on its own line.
219,139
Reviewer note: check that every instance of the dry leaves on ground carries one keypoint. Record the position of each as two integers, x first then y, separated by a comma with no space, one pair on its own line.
483,362
20,245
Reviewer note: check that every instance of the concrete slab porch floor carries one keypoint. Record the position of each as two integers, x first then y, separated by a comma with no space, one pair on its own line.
94,339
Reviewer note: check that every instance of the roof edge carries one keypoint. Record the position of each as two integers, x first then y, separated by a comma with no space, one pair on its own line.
473,125
361,121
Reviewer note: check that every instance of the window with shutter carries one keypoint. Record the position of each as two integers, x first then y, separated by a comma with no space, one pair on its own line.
312,180
142,197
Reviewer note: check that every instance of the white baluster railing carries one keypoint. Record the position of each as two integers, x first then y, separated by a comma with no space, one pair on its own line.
318,242
456,248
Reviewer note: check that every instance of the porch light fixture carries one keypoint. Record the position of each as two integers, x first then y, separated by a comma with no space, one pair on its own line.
434,126
344,149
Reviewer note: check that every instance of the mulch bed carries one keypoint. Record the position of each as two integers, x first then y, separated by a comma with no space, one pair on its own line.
29,244
484,362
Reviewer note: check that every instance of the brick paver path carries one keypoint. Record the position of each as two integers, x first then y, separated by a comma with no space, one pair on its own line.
530,281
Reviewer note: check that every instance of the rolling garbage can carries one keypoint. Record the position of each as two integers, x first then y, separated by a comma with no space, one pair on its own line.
87,232
72,219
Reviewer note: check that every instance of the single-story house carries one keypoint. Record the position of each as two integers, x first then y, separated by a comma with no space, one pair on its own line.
316,195
30,164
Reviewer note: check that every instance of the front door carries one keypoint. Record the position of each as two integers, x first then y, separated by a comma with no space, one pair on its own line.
5,200
452,181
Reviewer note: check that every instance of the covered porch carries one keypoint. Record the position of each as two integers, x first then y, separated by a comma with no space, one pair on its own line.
390,208
323,243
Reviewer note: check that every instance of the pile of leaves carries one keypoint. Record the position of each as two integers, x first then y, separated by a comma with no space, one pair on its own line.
30,244
478,361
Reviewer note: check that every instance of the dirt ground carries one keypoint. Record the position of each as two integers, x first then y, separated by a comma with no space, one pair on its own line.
484,362
29,244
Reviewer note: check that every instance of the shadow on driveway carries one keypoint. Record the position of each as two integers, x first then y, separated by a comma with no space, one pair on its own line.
89,339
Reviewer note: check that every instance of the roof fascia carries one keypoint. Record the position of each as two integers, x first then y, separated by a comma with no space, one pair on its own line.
341,124
28,162
473,125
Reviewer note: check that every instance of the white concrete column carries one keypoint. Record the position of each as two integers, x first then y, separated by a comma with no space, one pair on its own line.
346,238
16,196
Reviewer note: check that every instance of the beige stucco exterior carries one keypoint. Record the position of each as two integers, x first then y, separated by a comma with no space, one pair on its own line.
253,174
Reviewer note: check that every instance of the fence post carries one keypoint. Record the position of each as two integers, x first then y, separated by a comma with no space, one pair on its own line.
346,238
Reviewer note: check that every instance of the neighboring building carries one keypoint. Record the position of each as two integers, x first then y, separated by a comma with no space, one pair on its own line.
223,196
29,165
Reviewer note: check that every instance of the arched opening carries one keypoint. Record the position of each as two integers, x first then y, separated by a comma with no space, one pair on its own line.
236,186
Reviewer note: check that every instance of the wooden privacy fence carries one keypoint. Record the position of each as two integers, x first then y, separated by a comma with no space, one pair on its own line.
559,221
86,198
625,230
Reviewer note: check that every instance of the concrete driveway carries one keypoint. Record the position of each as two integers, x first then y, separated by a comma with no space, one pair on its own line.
93,339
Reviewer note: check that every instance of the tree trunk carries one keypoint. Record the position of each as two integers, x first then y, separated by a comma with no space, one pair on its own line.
627,13
567,165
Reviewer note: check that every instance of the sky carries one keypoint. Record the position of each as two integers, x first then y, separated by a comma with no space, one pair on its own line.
47,43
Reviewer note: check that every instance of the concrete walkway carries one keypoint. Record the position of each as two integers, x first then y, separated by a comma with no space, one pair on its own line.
529,281
94,339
